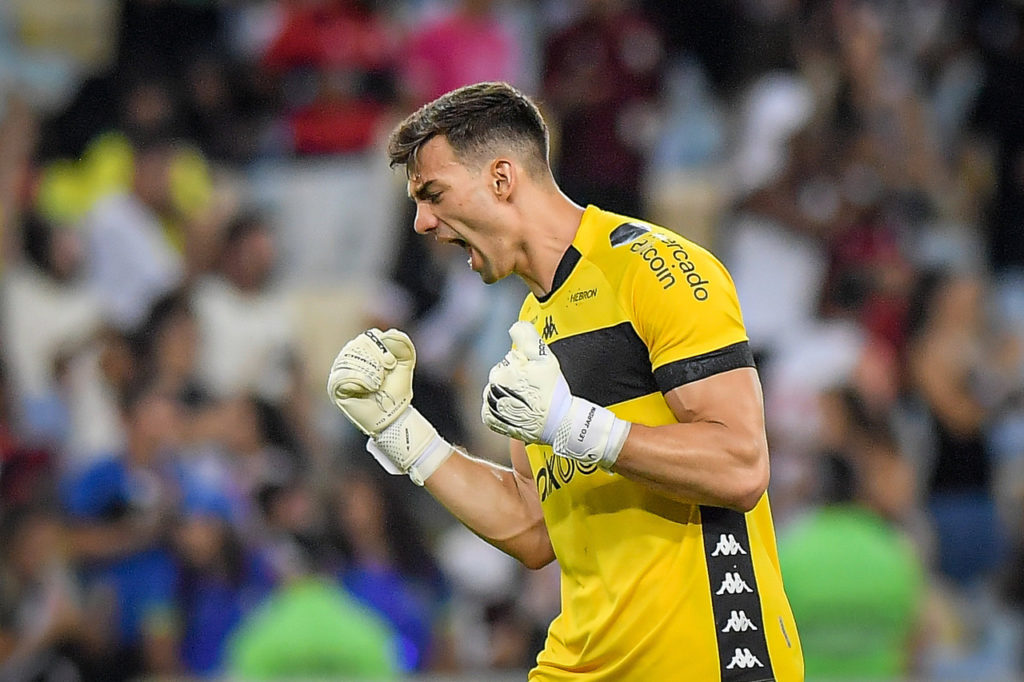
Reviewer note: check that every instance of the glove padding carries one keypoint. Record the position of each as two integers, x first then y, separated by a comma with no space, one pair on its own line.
371,383
527,398
371,379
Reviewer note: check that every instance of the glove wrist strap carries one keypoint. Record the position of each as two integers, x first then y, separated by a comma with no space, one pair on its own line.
435,454
559,410
590,433
410,445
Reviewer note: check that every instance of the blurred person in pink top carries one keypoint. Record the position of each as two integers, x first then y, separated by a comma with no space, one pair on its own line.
467,44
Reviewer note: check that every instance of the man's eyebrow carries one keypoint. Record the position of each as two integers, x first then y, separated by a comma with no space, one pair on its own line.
423,190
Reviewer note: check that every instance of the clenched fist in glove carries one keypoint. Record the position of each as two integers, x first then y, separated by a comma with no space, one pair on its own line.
527,398
371,383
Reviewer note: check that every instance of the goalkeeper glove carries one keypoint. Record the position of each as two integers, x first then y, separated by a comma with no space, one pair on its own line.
371,383
527,398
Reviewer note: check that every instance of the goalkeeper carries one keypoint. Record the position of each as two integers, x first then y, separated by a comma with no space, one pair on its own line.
630,398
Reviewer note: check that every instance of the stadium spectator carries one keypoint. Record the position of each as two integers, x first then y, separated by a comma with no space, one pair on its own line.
336,59
130,260
467,44
42,621
97,378
387,568
291,534
950,367
222,114
870,627
309,628
166,348
488,606
247,337
247,327
603,76
120,510
220,578
773,241
46,317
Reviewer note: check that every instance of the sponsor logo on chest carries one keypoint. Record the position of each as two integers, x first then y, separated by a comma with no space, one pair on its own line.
578,297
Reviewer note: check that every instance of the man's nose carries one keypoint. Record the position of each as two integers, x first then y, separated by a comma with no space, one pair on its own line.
425,219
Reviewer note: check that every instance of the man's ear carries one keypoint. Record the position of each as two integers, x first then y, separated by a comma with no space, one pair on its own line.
503,178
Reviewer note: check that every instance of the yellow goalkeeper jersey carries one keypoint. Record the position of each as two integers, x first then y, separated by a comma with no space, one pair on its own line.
653,590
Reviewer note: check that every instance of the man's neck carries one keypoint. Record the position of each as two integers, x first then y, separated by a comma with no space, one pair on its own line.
551,224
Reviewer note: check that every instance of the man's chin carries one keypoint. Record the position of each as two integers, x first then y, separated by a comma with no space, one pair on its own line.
489,276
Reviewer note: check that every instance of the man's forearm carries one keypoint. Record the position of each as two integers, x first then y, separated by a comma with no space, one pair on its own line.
697,462
371,383
496,503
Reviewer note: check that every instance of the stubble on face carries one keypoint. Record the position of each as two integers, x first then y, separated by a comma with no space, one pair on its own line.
461,211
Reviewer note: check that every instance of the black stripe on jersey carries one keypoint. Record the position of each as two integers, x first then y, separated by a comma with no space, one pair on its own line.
739,627
606,366
675,374
565,267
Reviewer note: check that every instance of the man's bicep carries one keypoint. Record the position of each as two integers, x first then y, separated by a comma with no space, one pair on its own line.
543,552
732,398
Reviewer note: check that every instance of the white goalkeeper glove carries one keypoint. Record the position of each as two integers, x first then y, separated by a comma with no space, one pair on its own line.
527,398
371,383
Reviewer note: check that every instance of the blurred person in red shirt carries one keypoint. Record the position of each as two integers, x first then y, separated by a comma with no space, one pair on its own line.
336,60
603,76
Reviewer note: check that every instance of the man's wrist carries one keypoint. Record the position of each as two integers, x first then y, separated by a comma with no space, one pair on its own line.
412,445
558,411
430,460
590,433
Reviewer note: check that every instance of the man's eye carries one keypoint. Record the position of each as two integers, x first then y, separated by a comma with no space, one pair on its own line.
434,198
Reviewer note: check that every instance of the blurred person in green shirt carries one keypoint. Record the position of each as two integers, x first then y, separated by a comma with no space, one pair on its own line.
310,628
855,580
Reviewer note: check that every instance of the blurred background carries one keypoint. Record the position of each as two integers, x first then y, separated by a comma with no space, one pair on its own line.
196,213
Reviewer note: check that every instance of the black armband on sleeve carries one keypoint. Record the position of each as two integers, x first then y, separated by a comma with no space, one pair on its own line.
680,372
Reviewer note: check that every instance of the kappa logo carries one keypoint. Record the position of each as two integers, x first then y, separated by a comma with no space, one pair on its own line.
742,658
549,328
738,622
727,546
733,584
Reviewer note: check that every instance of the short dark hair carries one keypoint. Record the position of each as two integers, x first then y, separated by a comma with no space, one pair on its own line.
473,119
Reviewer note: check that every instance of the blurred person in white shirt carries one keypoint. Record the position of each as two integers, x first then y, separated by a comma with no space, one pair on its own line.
131,260
247,335
46,317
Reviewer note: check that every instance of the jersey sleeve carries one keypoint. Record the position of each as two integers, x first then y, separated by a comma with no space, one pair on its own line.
685,308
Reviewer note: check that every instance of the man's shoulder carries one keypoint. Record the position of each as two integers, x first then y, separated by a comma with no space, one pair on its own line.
639,252
613,233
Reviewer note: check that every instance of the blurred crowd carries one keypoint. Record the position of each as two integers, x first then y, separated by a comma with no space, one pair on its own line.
177,497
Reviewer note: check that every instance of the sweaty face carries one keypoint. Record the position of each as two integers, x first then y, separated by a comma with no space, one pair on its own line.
458,205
